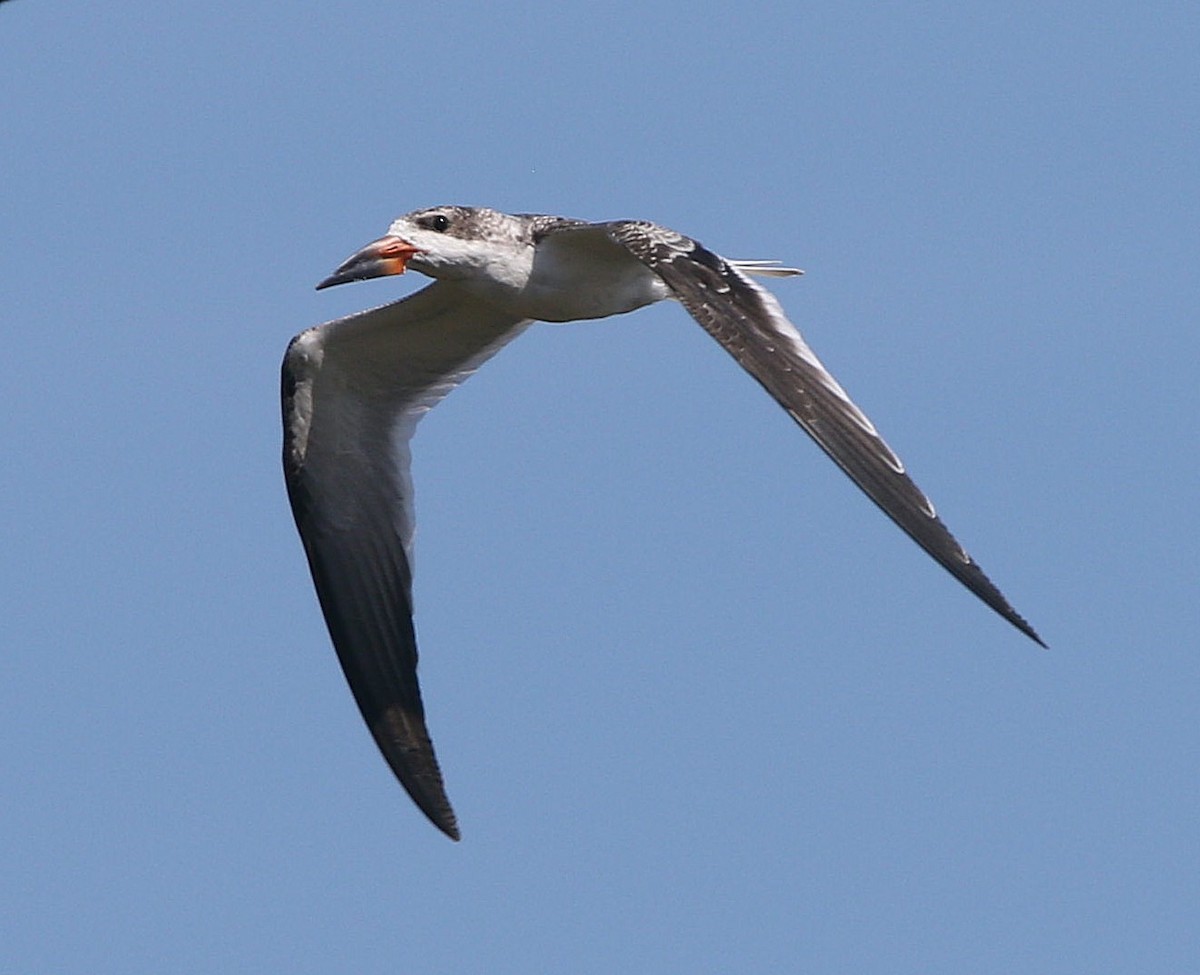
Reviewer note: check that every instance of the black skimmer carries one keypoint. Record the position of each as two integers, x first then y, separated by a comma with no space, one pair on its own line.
354,389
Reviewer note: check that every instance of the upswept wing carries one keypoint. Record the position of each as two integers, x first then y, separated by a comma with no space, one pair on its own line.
353,391
751,326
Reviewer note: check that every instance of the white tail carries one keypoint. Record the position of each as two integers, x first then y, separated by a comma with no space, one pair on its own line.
766,269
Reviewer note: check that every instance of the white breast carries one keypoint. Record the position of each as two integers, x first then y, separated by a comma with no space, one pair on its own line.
583,273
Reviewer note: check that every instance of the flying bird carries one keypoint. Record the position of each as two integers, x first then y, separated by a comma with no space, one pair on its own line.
355,388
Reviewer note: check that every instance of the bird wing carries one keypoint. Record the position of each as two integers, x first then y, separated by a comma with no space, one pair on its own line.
353,391
751,326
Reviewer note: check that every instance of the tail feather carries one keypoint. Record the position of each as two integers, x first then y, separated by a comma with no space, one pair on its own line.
766,269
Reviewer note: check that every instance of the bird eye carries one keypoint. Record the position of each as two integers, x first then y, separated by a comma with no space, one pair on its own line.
439,222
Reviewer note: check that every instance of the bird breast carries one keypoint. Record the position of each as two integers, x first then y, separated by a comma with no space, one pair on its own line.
580,275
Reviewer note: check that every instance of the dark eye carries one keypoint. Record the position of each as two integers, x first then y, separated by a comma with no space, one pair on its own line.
439,222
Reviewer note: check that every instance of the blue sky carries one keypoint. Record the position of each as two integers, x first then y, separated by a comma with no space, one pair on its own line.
700,707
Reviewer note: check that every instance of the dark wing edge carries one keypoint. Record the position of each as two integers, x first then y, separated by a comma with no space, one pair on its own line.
750,325
364,583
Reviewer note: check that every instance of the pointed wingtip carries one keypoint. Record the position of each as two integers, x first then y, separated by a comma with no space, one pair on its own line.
404,740
1019,621
1002,606
442,816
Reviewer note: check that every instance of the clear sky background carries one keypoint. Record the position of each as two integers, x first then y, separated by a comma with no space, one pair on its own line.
700,707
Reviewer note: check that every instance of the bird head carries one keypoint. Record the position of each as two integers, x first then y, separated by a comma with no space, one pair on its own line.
441,242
